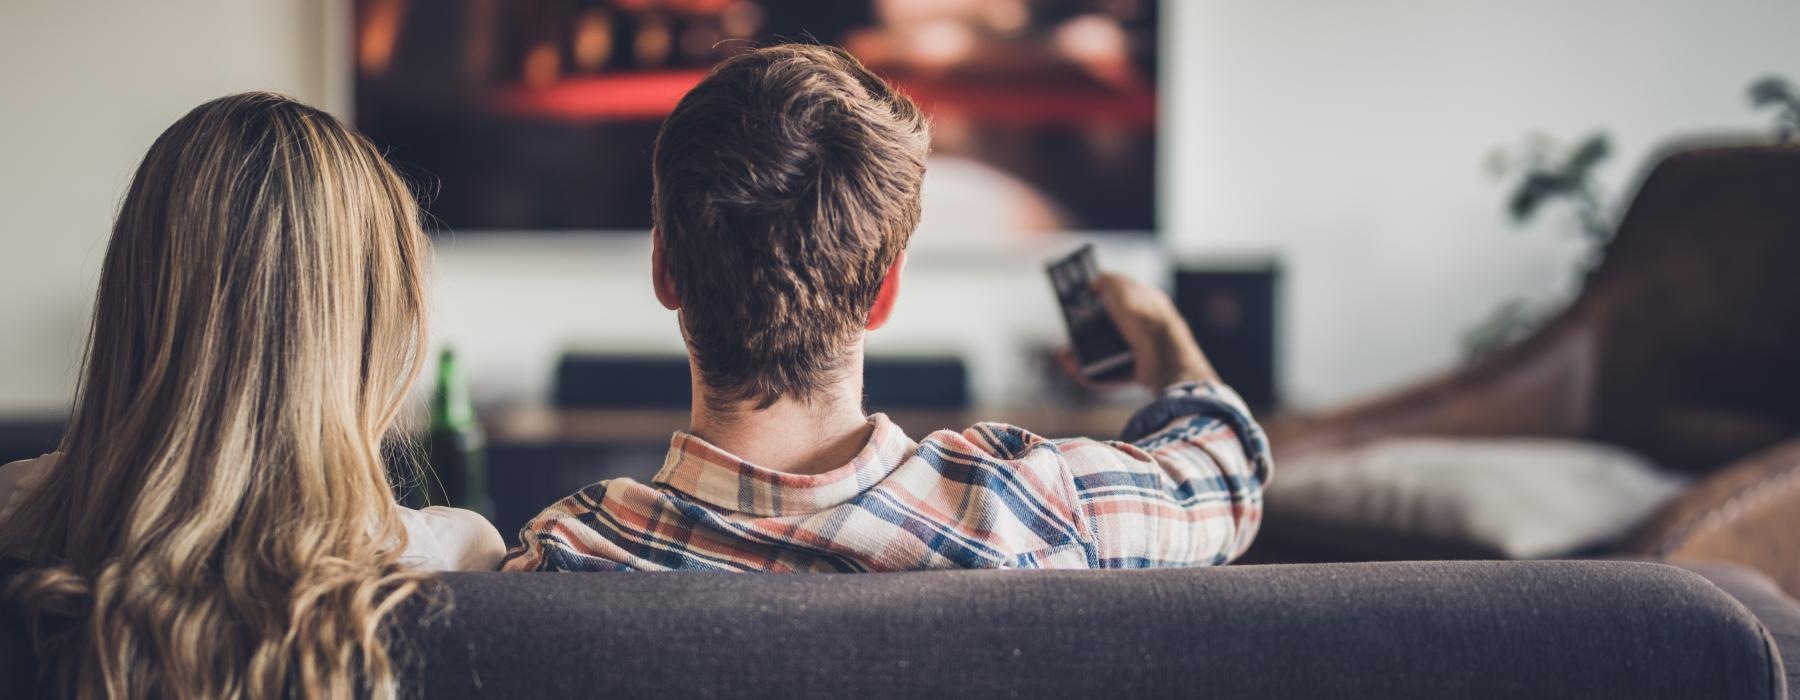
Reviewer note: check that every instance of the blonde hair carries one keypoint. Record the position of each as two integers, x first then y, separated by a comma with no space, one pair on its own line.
221,523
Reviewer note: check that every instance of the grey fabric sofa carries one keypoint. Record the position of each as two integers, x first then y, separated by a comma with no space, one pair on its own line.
1595,629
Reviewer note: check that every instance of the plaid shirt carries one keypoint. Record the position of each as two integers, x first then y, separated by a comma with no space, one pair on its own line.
1184,489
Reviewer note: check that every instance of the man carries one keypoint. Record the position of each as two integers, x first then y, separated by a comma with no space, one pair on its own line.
786,188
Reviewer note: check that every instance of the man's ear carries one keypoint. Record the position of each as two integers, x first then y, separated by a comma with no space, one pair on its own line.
659,274
890,292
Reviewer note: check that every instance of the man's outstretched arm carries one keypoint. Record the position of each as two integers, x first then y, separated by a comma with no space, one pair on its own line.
1184,487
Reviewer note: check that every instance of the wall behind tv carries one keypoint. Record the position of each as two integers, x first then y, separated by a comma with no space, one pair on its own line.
88,84
1346,139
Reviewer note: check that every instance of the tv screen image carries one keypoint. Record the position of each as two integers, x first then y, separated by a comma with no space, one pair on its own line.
540,115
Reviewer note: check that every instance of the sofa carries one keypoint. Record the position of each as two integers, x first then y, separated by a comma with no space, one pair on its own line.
1680,347
1673,351
1587,629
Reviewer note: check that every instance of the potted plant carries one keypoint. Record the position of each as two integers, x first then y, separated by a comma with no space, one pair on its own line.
1548,173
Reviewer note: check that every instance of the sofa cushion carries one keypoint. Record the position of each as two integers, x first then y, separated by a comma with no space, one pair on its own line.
1433,629
1607,629
1480,498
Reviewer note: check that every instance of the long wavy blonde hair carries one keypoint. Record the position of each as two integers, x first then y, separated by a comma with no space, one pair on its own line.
221,523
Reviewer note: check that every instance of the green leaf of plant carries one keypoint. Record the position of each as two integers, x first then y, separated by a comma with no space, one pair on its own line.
1589,154
1533,191
1772,90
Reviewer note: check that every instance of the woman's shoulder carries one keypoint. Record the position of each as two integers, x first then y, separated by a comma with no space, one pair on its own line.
27,472
450,539
17,479
35,464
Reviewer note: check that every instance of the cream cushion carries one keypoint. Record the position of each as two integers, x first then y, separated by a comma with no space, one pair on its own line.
1514,498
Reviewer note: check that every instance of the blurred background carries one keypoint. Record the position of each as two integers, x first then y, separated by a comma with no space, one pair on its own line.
1344,196
1341,144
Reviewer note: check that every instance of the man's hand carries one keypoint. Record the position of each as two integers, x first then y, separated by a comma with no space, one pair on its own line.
1162,347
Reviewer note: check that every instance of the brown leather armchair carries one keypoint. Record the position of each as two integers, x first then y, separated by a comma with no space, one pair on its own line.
1684,346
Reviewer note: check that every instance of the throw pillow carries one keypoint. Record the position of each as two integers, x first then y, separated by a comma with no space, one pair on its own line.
1513,498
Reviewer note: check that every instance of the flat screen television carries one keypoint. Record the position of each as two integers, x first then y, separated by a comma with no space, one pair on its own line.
539,115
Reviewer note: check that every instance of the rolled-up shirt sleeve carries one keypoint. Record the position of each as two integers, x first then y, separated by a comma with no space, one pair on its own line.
1184,486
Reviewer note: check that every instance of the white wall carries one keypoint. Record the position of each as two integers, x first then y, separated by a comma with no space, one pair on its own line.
1349,137
1346,138
86,86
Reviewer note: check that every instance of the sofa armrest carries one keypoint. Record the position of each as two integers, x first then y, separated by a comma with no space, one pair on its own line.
1747,513
1541,387
1426,629
1778,612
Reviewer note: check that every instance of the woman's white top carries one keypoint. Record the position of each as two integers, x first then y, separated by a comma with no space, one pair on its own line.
437,538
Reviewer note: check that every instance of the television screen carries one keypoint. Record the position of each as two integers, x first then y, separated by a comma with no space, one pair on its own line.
539,115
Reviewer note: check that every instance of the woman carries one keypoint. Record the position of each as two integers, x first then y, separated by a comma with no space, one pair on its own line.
219,522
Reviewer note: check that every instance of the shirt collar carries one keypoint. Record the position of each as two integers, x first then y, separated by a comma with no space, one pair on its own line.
706,473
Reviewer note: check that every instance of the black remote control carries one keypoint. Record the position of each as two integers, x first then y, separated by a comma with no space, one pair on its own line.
1100,350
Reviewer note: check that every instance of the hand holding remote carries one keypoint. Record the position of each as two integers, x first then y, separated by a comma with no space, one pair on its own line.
1160,341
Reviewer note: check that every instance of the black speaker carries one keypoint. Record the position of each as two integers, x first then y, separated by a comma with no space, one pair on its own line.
623,381
661,381
1232,313
917,382
29,438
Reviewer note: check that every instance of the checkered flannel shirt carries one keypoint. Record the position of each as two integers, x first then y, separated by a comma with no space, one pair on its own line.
1183,488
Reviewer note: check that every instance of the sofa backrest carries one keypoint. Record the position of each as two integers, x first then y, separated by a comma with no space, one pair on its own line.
1438,629
1694,308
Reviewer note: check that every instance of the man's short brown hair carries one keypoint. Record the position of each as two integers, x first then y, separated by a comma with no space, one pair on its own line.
787,182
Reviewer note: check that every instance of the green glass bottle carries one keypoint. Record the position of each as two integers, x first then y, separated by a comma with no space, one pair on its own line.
455,451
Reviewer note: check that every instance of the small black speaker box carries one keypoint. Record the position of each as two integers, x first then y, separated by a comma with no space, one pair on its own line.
934,382
1232,313
661,382
622,381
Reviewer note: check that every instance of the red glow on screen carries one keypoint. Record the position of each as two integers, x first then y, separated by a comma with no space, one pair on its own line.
624,96
651,96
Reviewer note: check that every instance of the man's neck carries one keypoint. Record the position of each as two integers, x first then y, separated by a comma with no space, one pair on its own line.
814,435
